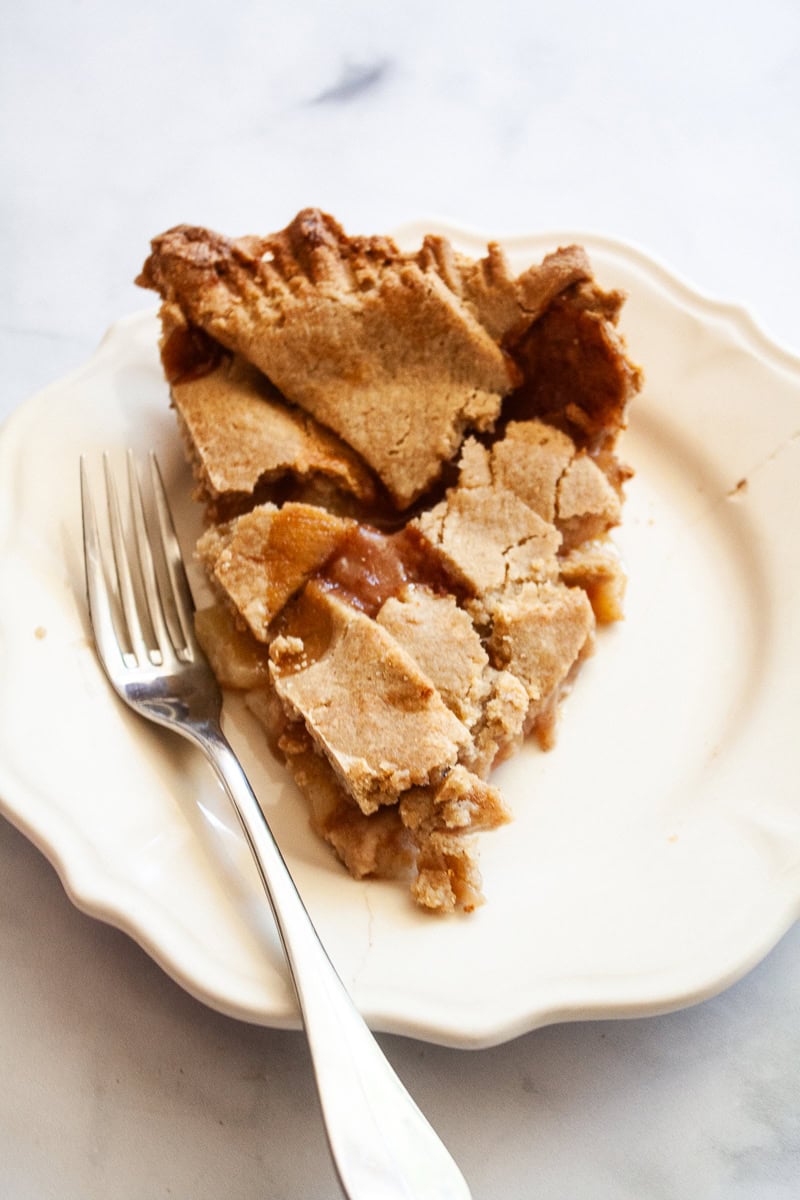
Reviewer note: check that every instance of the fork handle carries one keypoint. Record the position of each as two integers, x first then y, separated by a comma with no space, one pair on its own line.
382,1146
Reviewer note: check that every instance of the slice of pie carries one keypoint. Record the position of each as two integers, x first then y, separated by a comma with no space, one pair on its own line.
407,463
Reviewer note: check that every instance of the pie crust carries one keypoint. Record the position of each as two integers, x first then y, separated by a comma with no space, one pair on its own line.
407,464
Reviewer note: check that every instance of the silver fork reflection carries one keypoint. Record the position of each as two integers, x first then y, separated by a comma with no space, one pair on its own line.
141,611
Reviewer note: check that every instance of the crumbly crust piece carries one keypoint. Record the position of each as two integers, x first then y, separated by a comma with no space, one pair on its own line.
542,466
490,538
443,641
379,721
447,875
587,505
516,505
240,434
460,803
354,331
529,460
540,632
260,560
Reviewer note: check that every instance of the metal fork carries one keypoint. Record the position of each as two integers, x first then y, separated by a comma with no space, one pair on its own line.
382,1146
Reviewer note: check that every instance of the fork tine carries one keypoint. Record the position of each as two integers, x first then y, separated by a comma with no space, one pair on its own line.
100,612
124,579
181,592
146,562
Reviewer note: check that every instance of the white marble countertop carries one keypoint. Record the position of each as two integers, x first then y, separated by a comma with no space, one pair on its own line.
674,128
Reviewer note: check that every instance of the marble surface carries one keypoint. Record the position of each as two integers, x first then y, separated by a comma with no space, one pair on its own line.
675,129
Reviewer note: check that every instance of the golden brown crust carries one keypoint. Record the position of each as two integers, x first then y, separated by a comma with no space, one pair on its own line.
354,331
369,709
538,632
241,436
543,467
489,538
444,643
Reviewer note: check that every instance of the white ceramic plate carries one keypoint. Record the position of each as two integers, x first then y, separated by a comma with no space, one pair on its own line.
655,854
